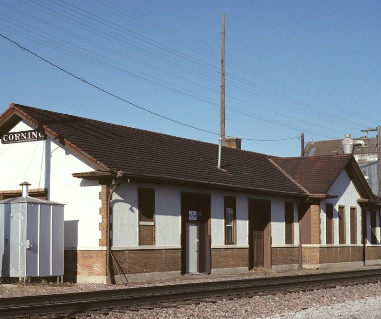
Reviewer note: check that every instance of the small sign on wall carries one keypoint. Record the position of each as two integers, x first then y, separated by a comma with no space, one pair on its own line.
24,136
192,215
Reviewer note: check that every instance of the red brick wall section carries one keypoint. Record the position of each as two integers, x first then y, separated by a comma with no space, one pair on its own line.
315,223
285,255
103,196
341,254
146,235
310,255
85,262
373,252
146,261
230,258
92,262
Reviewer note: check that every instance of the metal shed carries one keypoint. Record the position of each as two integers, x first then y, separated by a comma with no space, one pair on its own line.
31,237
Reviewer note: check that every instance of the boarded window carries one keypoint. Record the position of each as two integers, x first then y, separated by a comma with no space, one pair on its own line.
373,236
329,224
289,222
146,207
341,225
146,204
353,219
229,207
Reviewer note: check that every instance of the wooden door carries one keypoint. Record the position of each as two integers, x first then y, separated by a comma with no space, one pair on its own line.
195,214
259,233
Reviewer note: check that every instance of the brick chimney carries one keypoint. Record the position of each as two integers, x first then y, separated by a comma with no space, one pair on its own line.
233,142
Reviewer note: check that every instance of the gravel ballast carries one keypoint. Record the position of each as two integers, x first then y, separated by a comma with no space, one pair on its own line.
355,302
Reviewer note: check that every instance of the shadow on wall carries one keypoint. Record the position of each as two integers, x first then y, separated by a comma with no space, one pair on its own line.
71,245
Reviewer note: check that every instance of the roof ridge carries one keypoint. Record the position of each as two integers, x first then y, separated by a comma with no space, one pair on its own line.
289,177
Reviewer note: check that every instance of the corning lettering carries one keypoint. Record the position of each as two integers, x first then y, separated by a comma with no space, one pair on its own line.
24,136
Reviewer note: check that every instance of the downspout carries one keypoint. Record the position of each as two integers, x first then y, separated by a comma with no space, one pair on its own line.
108,241
300,217
300,237
364,234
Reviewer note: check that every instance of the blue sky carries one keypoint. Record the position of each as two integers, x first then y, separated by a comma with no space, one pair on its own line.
291,66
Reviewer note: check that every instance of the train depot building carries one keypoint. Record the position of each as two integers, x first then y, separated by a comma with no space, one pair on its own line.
142,205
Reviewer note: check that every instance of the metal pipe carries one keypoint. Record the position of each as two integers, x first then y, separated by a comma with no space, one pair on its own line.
219,152
24,189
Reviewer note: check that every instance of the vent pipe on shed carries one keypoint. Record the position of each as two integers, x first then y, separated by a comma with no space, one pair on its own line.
24,189
347,144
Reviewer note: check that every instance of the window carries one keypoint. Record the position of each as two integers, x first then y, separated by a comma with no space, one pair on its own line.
341,225
329,224
229,207
146,204
353,218
289,222
146,207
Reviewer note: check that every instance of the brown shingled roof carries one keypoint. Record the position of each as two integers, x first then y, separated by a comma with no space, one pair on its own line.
145,154
316,173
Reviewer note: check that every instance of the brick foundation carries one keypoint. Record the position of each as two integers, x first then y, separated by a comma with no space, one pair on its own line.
230,258
103,196
341,254
146,261
91,263
285,256
373,253
310,256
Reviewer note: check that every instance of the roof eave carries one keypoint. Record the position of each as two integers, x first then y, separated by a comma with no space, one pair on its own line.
186,182
322,196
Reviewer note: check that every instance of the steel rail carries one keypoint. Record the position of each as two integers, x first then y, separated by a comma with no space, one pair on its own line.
75,303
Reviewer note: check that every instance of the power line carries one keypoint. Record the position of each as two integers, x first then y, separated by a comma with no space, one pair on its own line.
113,26
152,80
114,95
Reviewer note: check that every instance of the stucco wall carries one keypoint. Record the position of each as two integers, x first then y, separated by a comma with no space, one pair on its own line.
347,197
46,164
168,217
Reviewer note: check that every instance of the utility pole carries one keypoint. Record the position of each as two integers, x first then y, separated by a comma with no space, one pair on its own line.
379,160
222,108
302,145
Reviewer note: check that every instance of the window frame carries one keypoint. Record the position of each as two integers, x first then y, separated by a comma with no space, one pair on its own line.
230,205
353,224
144,208
342,225
289,220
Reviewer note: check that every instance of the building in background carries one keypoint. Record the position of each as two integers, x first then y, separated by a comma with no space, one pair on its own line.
364,151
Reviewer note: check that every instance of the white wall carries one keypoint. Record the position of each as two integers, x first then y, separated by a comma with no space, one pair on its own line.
168,216
347,197
242,220
46,164
22,162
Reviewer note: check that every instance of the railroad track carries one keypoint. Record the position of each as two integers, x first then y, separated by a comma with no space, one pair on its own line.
163,296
